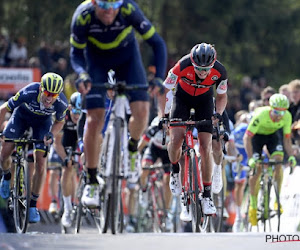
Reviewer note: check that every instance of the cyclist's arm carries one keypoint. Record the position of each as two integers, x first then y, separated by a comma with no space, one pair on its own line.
221,102
287,143
57,127
3,111
248,144
59,148
136,17
80,126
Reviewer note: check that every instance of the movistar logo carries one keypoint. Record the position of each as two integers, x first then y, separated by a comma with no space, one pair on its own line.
127,11
83,20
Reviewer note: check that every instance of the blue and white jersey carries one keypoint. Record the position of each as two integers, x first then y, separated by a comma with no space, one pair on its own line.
238,134
27,100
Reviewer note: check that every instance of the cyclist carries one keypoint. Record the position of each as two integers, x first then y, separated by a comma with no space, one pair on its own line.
239,180
217,151
33,106
102,38
152,138
262,130
68,138
193,76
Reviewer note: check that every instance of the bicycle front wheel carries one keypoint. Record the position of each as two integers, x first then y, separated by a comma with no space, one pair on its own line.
21,197
116,208
215,223
194,195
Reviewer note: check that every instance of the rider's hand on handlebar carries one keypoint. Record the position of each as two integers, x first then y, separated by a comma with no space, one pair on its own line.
252,162
48,139
156,86
163,122
292,161
216,118
83,83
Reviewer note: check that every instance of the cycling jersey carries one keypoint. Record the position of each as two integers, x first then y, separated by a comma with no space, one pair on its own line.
69,130
262,123
184,74
97,48
27,100
28,112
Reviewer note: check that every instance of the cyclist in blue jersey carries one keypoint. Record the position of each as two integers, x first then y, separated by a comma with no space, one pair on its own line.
102,38
33,106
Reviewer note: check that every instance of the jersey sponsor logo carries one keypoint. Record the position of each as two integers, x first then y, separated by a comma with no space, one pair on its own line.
222,87
83,20
16,97
255,122
171,79
143,24
127,11
215,78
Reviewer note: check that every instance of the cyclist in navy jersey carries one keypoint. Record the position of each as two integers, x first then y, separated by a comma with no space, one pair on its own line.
33,106
102,38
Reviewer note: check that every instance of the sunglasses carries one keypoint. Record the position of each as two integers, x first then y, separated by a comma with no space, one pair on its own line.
76,111
202,68
48,94
279,112
108,5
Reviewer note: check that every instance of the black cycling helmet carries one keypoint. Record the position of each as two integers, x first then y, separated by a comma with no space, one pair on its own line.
203,55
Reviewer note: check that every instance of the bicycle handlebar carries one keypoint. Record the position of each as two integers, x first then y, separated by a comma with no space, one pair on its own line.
25,141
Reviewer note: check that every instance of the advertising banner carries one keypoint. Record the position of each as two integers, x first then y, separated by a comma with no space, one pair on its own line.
13,79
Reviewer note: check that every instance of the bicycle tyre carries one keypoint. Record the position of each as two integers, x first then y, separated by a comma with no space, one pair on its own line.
79,209
216,221
194,193
159,209
21,197
115,202
277,214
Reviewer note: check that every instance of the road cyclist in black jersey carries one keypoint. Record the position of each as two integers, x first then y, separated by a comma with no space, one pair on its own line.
33,106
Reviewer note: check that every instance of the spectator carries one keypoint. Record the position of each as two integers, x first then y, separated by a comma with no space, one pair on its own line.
17,54
265,95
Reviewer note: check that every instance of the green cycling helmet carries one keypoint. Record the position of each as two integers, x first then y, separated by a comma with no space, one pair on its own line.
279,102
52,83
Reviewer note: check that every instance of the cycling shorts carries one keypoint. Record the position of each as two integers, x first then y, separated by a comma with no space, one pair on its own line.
128,68
18,123
272,142
54,158
203,105
152,153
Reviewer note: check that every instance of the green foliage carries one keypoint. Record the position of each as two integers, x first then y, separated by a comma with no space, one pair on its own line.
251,37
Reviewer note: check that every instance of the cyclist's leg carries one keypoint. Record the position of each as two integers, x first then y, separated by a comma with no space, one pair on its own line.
18,126
146,162
53,161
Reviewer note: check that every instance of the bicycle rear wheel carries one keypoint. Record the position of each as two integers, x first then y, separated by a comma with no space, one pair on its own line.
21,197
116,208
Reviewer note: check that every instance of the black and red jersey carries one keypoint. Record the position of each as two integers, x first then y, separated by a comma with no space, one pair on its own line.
183,73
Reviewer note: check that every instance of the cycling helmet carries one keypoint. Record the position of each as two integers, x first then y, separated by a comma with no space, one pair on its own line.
279,102
52,83
75,100
203,55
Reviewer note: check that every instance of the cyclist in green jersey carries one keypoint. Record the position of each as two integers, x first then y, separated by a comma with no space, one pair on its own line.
262,131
